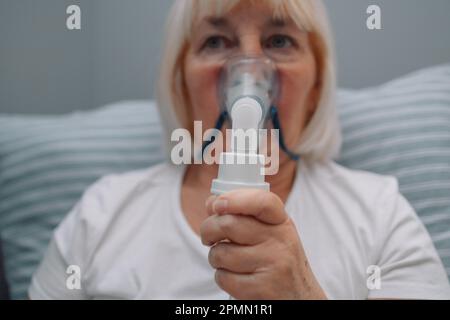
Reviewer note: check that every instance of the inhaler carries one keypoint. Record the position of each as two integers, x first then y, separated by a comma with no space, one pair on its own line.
248,89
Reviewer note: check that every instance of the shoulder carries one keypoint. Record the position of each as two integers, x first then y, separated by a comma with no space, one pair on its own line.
104,202
361,186
159,175
369,211
355,199
111,192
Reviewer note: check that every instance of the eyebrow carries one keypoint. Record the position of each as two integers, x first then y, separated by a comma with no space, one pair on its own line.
277,22
223,23
217,22
280,23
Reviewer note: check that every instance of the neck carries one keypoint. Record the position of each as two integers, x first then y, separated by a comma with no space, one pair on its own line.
282,182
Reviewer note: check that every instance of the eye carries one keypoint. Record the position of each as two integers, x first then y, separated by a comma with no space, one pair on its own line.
279,42
216,42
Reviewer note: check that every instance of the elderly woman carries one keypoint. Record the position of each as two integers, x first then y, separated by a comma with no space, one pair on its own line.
322,231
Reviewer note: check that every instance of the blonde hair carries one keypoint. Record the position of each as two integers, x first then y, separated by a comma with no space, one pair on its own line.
321,139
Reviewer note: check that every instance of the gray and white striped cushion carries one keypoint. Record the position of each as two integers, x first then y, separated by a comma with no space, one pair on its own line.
46,162
402,128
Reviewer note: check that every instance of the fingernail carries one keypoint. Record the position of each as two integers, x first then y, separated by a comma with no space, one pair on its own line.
210,200
220,206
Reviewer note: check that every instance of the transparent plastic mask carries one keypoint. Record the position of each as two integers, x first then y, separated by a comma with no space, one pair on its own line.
249,76
253,77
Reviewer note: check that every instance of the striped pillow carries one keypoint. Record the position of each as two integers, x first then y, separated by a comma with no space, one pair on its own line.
402,128
46,162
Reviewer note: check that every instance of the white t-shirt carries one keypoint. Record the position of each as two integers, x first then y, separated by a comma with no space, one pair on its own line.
130,240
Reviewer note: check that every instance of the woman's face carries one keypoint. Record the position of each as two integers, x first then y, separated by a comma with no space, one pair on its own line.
249,30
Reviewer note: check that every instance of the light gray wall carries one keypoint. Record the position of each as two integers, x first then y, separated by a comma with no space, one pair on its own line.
126,49
44,68
415,34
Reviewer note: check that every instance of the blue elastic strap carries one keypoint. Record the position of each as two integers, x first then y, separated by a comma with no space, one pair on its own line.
276,125
219,124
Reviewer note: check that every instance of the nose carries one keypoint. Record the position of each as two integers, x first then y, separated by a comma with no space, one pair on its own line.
250,44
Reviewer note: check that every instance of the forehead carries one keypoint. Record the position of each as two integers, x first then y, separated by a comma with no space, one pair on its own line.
222,13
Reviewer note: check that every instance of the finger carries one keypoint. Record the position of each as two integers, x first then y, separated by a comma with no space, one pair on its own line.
208,204
235,258
263,205
212,204
238,285
239,229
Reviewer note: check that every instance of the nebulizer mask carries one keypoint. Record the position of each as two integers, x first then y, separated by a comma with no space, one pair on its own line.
248,91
